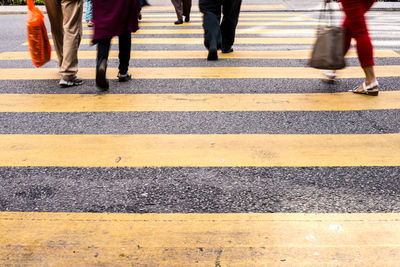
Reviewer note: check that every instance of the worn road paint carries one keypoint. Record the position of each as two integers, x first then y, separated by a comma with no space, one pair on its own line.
194,150
196,8
196,102
291,54
198,239
200,73
200,41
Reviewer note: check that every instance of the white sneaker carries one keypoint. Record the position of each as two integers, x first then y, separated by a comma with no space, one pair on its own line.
68,83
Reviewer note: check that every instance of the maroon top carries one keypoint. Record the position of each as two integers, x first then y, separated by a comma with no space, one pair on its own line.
114,17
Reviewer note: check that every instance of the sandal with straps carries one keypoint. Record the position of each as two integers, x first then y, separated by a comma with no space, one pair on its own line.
371,89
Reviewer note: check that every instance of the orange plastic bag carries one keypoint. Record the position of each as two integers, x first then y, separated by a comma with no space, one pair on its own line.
39,44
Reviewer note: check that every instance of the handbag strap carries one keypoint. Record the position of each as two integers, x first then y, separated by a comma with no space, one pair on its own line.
323,15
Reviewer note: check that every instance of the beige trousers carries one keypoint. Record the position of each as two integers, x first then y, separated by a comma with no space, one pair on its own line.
66,27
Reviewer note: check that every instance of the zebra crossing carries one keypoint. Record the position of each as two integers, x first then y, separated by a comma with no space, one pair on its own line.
249,161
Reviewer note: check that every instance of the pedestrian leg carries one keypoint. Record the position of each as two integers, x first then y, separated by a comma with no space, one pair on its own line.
72,23
355,13
330,75
124,56
211,10
347,35
55,15
103,49
187,5
231,10
178,5
368,4
89,15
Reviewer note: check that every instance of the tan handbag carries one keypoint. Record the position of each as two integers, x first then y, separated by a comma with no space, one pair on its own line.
328,51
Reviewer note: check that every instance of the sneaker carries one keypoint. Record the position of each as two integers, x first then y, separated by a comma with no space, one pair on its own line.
179,21
124,77
187,18
69,83
90,23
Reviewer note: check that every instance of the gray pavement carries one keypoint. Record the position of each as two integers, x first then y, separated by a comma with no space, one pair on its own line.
237,122
188,190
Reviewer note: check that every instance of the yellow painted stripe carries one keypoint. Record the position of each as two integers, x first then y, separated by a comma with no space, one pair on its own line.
200,41
260,7
76,239
242,14
195,102
254,18
196,8
200,73
171,54
194,150
201,31
241,23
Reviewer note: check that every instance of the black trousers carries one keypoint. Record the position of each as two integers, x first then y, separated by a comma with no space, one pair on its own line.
216,32
103,49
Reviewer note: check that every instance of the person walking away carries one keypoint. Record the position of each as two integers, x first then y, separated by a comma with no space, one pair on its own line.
88,14
66,28
216,35
355,27
182,8
114,18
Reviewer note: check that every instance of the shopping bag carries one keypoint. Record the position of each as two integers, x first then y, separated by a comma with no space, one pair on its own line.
38,40
328,50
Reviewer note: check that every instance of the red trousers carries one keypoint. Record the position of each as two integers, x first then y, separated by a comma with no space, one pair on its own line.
356,27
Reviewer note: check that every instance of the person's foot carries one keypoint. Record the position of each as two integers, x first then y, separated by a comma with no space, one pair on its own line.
212,53
330,76
187,18
227,50
101,81
179,21
71,82
371,88
124,77
90,23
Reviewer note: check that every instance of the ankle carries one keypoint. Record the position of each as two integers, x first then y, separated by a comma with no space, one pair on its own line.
369,81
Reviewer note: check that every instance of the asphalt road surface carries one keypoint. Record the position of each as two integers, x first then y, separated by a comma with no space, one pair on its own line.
181,187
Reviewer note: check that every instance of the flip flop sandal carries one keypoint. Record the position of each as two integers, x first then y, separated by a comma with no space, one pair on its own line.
371,89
